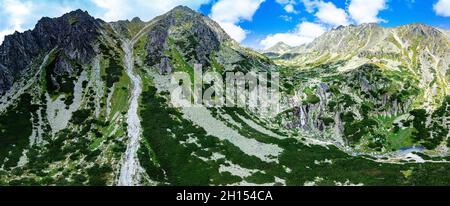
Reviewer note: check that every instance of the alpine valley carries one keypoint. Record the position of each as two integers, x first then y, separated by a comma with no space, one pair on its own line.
86,102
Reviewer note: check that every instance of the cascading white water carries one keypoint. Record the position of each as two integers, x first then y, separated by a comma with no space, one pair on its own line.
129,172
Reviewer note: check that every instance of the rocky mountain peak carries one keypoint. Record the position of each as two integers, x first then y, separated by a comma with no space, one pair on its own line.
368,25
136,20
78,13
372,37
279,48
182,8
339,27
74,20
192,33
72,34
182,15
420,30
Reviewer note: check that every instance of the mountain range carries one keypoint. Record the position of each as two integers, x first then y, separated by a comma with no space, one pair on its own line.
87,102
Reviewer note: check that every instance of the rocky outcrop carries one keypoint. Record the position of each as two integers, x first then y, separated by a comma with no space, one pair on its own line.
309,116
194,34
351,105
6,79
73,34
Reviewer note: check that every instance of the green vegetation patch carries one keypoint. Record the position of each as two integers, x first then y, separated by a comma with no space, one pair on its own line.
15,130
57,84
114,69
311,97
166,159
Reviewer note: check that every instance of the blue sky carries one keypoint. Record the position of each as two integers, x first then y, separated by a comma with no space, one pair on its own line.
255,23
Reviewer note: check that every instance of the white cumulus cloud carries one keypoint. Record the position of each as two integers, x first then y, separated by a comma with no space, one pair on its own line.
328,13
310,5
305,32
16,14
235,31
442,8
290,9
228,13
288,5
5,32
358,11
363,11
328,16
310,29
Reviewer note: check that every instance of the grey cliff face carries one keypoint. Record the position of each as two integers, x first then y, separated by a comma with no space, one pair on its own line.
72,34
195,34
5,79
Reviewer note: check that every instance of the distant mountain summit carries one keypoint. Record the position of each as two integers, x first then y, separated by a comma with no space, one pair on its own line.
347,40
279,48
423,50
352,75
371,38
